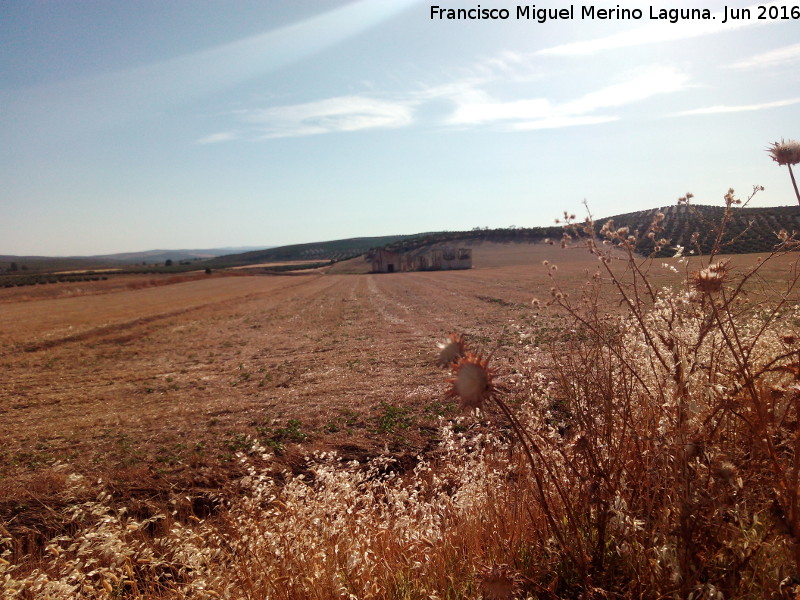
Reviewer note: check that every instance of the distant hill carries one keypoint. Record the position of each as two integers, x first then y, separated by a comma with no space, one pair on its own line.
51,263
108,261
750,229
516,234
317,251
159,256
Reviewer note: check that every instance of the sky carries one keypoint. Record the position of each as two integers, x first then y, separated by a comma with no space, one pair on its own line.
129,126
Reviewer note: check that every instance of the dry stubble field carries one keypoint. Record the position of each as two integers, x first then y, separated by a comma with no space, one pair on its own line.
151,389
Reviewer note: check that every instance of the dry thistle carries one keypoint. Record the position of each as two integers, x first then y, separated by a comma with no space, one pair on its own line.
451,350
787,153
472,381
710,279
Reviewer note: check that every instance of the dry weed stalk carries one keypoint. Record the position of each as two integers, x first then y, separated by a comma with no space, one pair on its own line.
681,417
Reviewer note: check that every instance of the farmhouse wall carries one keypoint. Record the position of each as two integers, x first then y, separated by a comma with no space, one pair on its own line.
427,259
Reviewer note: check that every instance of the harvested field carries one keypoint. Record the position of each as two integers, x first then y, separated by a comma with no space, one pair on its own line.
157,387
150,386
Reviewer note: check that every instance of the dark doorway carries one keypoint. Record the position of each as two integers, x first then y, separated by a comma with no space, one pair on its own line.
390,268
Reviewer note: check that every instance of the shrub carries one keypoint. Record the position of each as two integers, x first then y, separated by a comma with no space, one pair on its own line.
663,446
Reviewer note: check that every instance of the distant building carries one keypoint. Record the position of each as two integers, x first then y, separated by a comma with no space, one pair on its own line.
423,259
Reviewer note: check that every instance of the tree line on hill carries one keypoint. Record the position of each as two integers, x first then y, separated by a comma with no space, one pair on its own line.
750,230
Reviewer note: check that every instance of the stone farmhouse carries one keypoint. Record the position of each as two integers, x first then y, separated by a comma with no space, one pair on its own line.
422,259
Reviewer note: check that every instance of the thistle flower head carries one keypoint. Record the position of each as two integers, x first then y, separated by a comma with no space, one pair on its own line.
451,350
709,280
472,381
785,152
730,199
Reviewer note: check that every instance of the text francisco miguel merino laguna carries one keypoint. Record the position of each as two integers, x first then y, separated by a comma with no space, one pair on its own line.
673,15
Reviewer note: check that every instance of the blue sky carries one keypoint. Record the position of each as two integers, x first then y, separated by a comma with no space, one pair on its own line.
128,126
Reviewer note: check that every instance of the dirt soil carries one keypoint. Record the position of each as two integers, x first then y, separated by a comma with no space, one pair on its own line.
150,389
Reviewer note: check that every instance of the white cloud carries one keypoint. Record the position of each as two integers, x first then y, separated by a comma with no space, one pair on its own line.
651,82
787,54
451,90
656,32
476,107
216,138
472,104
557,122
721,109
343,113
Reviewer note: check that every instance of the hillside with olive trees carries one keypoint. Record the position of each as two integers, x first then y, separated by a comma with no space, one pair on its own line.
749,230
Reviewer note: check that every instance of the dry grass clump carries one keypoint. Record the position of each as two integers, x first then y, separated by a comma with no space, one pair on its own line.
341,530
113,555
347,532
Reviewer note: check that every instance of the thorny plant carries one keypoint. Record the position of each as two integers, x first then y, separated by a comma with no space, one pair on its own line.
666,459
787,153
